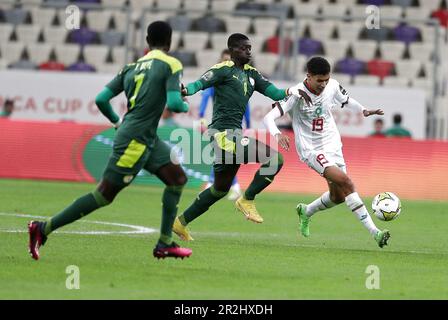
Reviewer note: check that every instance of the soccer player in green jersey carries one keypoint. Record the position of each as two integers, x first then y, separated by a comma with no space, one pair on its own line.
234,81
149,84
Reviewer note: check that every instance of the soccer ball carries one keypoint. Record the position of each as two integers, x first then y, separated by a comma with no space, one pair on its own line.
386,206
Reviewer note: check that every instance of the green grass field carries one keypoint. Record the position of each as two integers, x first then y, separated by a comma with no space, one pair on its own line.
232,258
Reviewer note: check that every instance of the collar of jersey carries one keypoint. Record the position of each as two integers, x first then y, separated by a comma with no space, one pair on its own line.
309,89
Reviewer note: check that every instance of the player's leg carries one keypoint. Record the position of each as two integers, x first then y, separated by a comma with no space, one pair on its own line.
224,175
125,162
163,163
272,161
354,202
235,190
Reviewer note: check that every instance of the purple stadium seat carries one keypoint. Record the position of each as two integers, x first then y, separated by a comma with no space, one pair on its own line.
81,67
83,36
350,66
309,47
406,33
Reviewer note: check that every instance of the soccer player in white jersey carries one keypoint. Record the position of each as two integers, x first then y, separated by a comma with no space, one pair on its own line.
318,142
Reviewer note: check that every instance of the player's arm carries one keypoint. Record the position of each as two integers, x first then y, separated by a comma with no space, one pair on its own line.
279,109
174,101
265,87
102,100
209,79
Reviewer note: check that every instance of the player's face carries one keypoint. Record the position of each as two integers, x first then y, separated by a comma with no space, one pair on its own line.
242,52
318,82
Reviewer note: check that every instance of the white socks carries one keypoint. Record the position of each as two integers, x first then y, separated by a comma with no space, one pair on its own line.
321,203
355,204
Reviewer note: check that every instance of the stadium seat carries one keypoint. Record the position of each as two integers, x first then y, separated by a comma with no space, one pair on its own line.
237,24
95,54
67,53
265,26
402,3
28,33
350,66
194,41
39,52
392,50
119,55
421,51
200,5
139,5
349,31
310,47
321,30
108,68
366,80
180,22
43,16
408,68
207,58
175,39
5,32
393,12
266,63
430,4
397,82
192,73
55,35
364,50
168,4
336,49
343,79
335,9
12,51
187,58
112,38
120,19
307,8
417,12
117,3
98,20
219,41
223,6
209,23
16,15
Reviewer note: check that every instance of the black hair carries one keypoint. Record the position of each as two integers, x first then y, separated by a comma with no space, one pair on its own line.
318,66
379,120
158,34
397,118
235,38
9,101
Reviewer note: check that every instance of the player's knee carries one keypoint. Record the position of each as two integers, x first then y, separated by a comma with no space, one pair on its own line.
221,192
347,185
106,192
337,198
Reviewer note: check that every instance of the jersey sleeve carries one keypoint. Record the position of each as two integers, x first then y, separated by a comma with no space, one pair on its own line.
341,95
116,85
173,82
213,77
261,83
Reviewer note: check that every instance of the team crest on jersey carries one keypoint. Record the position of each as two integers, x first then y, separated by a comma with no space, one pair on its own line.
128,179
208,75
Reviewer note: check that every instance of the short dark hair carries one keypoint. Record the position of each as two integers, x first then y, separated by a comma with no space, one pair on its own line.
318,66
9,102
397,118
159,34
235,38
379,120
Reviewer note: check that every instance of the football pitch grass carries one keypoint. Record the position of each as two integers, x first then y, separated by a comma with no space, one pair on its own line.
232,257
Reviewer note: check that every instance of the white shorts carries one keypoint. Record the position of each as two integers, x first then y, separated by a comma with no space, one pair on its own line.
320,160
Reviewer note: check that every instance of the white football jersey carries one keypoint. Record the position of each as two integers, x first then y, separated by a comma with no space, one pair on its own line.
314,125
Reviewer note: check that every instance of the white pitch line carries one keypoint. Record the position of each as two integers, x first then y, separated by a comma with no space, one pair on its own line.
136,229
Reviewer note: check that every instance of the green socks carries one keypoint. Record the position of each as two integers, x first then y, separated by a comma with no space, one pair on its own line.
170,201
203,201
78,209
260,182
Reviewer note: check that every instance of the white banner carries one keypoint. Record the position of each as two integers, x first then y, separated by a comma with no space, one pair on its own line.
64,96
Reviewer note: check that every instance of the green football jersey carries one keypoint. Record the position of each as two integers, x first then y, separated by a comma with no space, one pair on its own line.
146,83
233,89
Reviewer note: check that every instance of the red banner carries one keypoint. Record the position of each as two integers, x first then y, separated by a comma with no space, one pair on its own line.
411,169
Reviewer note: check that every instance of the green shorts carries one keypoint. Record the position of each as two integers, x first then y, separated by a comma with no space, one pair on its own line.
233,148
129,156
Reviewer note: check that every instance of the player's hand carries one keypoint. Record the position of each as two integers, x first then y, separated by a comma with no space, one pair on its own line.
183,90
372,112
283,140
